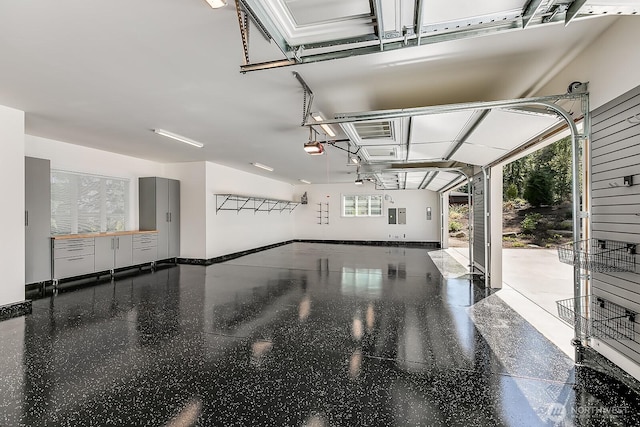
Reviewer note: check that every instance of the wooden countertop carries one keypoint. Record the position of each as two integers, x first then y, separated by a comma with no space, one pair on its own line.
109,234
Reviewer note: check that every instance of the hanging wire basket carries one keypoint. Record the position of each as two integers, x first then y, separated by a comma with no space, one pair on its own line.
604,256
599,318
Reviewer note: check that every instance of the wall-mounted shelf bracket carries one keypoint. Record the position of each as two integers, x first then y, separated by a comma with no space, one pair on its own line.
237,203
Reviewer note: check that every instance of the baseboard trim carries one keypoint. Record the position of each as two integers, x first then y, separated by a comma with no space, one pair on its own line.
15,309
223,258
391,243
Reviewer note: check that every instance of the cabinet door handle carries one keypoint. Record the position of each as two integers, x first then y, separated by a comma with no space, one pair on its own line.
167,216
170,217
75,259
117,243
26,218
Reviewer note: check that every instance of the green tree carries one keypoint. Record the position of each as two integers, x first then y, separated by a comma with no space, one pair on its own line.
539,188
553,161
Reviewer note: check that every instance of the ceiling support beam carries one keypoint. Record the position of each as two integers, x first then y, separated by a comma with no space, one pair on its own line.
466,132
419,20
389,45
543,101
530,10
573,10
406,157
426,175
433,175
379,27
450,186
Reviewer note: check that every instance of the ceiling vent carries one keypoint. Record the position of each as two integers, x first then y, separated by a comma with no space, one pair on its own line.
381,152
374,130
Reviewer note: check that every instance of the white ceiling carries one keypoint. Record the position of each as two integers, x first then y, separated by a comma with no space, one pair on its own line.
104,76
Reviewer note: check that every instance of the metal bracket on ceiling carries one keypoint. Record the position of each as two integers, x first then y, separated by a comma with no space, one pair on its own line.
307,99
243,22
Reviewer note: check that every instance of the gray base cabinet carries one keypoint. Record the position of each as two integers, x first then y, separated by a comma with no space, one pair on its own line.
159,209
113,252
145,248
73,257
37,220
82,255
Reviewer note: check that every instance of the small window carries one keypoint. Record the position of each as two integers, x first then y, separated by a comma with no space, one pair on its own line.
82,203
361,205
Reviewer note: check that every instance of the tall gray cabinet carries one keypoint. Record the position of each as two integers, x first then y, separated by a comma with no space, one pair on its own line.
159,207
37,220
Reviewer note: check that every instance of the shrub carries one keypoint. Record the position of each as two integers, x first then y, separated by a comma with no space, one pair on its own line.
511,192
518,245
567,224
463,210
454,226
530,222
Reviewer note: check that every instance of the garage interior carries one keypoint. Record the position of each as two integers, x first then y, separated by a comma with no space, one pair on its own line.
321,141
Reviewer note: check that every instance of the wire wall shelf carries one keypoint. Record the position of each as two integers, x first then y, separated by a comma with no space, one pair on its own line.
599,318
604,256
237,203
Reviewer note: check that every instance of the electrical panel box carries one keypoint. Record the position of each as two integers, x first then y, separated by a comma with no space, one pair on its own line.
402,215
392,215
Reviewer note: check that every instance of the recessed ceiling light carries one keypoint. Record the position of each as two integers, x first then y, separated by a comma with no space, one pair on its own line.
178,137
261,166
304,181
217,4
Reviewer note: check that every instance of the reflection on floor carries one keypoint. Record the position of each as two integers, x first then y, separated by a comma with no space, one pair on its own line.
299,335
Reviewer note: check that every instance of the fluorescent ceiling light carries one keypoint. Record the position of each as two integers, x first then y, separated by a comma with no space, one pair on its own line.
359,181
304,181
355,160
178,137
261,166
314,148
217,4
318,118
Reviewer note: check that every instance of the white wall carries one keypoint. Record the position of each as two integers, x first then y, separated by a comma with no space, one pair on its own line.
12,212
609,64
75,158
193,207
373,228
228,231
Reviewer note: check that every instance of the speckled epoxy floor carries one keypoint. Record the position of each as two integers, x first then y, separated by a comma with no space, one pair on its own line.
300,335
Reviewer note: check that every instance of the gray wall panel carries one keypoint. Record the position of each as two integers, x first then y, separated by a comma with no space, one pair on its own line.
618,141
615,153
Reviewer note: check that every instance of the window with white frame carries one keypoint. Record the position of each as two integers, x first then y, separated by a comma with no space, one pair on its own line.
83,203
359,205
